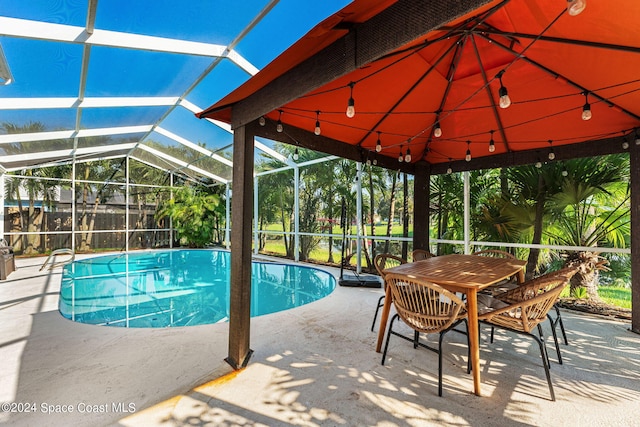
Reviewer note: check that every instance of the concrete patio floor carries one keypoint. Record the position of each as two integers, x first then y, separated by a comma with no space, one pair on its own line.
312,366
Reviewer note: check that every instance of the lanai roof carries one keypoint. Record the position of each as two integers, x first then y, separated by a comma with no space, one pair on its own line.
115,78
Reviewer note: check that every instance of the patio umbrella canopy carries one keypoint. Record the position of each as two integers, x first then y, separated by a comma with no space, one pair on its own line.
437,98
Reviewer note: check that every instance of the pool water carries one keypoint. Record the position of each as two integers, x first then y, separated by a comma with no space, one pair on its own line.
179,288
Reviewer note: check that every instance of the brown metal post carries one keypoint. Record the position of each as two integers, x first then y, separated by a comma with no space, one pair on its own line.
241,215
421,194
634,166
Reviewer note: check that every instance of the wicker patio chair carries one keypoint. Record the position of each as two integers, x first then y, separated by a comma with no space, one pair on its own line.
524,310
527,291
420,254
426,308
382,262
503,285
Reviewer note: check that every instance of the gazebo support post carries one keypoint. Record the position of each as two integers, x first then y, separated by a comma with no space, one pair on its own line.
421,195
634,171
241,215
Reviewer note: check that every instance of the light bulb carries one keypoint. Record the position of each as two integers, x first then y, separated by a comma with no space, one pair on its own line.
317,130
575,7
468,156
565,172
375,162
538,164
407,157
378,146
262,121
449,170
586,112
625,145
437,131
400,157
295,154
637,139
492,146
505,101
552,155
279,127
351,109
368,162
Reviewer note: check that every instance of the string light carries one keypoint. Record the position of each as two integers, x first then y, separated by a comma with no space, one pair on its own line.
586,109
449,169
351,109
317,130
279,127
575,7
378,144
505,101
538,164
437,130
492,145
400,157
565,172
467,157
407,157
262,121
625,143
552,155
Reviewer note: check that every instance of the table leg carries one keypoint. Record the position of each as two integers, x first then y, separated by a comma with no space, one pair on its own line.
521,276
384,317
474,344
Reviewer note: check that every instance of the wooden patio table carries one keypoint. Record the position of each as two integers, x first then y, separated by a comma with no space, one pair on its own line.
458,273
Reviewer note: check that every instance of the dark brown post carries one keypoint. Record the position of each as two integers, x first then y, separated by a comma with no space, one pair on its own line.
241,215
634,166
421,193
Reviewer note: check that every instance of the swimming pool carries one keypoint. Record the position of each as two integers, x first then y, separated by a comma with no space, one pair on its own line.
178,288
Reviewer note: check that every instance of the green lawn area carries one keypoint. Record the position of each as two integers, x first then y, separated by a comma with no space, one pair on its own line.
615,295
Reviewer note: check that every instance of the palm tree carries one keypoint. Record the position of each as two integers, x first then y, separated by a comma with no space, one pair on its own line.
275,198
592,210
193,212
448,207
96,171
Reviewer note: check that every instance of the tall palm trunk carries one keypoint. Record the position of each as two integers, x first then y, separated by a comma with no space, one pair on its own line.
330,211
372,214
534,252
392,209
405,217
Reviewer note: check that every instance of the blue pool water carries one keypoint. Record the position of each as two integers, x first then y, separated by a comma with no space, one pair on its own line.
178,288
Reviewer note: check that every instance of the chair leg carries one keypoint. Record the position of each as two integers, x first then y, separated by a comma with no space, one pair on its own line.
555,340
440,363
386,345
466,325
544,345
559,320
546,366
380,304
492,331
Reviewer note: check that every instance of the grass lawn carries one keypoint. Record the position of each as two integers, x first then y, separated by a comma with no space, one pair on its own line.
614,295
